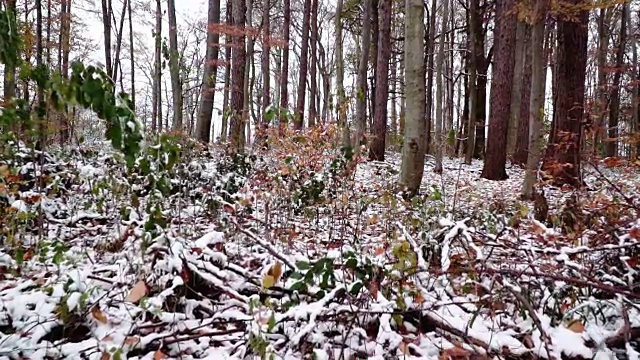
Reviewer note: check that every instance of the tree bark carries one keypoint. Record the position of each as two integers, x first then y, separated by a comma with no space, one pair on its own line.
562,156
363,66
284,80
205,111
228,42
174,67
106,27
313,109
518,78
501,86
440,116
10,68
414,145
521,150
156,115
614,108
238,64
304,64
536,100
377,150
430,54
472,5
265,63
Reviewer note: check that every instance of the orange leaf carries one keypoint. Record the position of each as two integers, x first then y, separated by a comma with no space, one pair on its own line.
159,355
373,289
105,355
98,314
576,326
379,251
138,291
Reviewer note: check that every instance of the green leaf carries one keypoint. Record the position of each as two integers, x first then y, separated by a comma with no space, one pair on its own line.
302,265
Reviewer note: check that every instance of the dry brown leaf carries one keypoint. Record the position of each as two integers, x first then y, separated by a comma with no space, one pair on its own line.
454,353
131,340
404,348
159,355
98,314
138,291
273,275
105,356
373,289
576,326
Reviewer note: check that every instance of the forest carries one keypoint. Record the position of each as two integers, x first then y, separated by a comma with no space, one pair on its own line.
320,179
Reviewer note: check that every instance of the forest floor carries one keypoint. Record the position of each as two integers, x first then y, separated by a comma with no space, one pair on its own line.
296,253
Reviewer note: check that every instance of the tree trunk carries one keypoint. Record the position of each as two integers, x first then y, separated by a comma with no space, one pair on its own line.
363,66
42,106
284,80
304,64
156,115
604,19
10,68
265,63
313,109
205,111
430,54
518,77
238,64
228,42
341,101
501,85
562,156
412,167
106,26
375,34
635,97
116,62
439,89
614,108
472,5
377,150
246,85
132,62
174,67
521,150
536,100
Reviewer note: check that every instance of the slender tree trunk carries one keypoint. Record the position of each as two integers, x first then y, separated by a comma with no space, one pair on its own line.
501,86
614,108
635,97
536,100
205,110
265,63
116,62
156,115
228,42
363,66
106,26
521,150
430,54
284,80
42,106
562,156
10,68
412,167
174,67
313,110
601,89
375,35
377,150
341,102
439,89
246,92
518,77
304,64
238,64
132,55
472,5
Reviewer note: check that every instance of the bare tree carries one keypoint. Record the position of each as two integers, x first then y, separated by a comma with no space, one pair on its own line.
174,67
413,150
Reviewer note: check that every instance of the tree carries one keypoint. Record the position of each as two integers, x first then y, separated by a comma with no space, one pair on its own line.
205,111
156,115
313,109
517,86
413,150
10,67
174,67
521,151
377,150
284,80
106,33
439,91
562,156
265,62
536,99
238,64
363,65
339,65
304,64
501,85
614,108
228,44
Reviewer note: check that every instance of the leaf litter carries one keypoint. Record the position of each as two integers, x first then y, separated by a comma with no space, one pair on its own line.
319,260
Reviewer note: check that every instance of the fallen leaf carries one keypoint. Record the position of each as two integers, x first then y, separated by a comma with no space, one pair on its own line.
132,340
159,355
98,314
138,291
576,326
373,289
105,355
273,275
404,348
379,251
228,208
